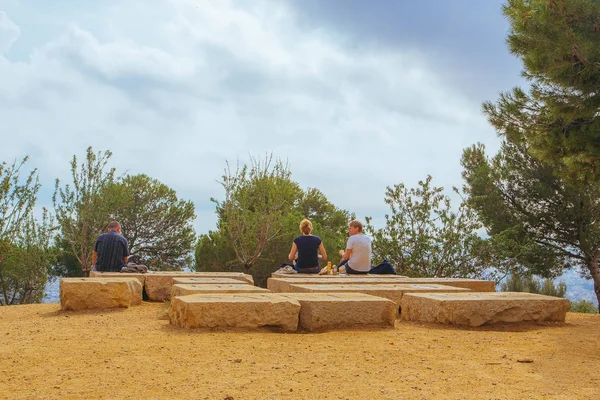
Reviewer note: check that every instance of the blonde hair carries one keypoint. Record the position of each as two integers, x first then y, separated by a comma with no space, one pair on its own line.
305,226
357,224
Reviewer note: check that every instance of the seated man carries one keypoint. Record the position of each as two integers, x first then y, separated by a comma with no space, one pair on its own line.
357,256
111,251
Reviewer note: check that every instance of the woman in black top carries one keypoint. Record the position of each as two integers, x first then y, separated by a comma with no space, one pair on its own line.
308,246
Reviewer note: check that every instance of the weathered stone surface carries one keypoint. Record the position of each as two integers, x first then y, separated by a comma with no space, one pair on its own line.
282,285
320,311
97,274
394,292
98,293
474,285
234,311
476,309
206,281
158,284
280,275
187,289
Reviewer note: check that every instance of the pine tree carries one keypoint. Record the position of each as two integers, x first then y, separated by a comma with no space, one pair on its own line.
559,44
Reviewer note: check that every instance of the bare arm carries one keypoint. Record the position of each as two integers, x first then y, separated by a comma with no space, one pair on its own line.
346,254
94,258
292,254
322,250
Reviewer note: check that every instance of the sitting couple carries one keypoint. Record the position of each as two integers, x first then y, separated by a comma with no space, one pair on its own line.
356,257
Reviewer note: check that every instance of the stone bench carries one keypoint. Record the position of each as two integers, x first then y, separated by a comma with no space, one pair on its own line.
476,309
139,276
234,311
158,284
187,289
320,311
99,293
352,276
474,285
208,281
282,285
393,292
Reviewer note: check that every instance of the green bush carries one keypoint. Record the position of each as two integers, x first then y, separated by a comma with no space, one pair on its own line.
583,306
527,283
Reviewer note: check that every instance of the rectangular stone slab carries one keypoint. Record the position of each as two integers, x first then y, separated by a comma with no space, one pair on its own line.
394,292
158,284
476,309
320,311
296,275
206,281
186,289
139,276
234,311
99,293
282,285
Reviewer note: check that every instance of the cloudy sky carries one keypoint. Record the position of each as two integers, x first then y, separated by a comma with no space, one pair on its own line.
356,95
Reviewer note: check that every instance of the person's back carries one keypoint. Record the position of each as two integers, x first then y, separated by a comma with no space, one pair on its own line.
360,258
111,251
307,247
357,257
308,251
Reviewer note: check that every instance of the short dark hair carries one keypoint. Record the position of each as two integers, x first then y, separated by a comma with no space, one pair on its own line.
114,225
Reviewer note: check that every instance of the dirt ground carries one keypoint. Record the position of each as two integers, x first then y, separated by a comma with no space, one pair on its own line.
135,354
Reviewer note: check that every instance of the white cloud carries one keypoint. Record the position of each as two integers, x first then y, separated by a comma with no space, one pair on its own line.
177,89
9,33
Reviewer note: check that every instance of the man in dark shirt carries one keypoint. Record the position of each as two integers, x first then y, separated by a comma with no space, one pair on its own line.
111,250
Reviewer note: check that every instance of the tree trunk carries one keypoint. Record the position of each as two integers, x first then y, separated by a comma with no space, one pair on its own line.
595,272
247,269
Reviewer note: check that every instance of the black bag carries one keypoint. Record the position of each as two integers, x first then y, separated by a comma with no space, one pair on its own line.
385,268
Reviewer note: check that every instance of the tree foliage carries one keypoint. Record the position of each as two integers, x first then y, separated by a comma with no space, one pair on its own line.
267,189
156,223
256,200
559,44
424,237
539,222
81,210
25,251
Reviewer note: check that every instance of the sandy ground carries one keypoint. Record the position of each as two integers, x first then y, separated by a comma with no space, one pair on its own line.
135,354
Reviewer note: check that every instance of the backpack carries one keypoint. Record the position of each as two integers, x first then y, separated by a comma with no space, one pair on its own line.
384,268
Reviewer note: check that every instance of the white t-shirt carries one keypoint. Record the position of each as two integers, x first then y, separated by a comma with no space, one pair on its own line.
360,258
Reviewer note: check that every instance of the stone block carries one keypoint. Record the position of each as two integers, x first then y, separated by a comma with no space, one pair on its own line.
99,293
476,309
234,311
207,281
139,276
282,285
280,275
321,311
187,289
158,284
474,285
393,292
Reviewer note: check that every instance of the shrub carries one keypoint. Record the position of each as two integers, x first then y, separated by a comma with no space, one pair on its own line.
583,306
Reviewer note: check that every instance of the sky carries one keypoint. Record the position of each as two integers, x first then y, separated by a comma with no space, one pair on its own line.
355,95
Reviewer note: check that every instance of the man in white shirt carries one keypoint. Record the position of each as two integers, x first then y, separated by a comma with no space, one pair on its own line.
358,250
